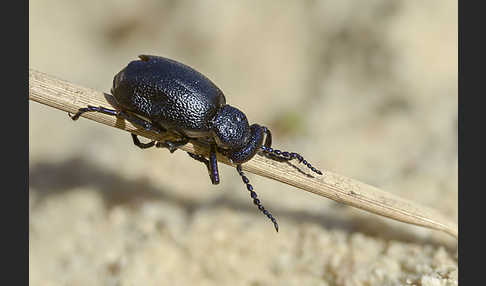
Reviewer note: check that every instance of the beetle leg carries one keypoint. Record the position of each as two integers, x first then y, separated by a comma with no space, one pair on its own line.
93,108
120,114
199,158
211,164
268,137
172,145
141,145
268,144
140,122
253,195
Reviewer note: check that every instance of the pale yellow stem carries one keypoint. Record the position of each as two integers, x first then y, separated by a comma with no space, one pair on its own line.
69,97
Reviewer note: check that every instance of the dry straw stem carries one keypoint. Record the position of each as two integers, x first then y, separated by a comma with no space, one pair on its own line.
68,97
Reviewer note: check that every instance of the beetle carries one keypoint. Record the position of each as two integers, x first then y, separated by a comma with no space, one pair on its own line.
161,95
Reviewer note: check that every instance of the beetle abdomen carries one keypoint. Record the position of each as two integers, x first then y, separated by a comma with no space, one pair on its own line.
168,92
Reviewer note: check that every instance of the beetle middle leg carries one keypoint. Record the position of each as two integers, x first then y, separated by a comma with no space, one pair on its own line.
211,164
172,145
283,155
141,145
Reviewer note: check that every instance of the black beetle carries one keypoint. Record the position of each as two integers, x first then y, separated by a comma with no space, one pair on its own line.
161,95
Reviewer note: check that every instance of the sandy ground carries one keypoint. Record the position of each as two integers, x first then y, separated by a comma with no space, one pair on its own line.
367,89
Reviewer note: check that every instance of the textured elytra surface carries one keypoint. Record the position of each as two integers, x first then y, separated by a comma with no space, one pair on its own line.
170,93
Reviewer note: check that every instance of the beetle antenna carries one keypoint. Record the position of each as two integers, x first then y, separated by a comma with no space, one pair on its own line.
289,156
283,156
256,201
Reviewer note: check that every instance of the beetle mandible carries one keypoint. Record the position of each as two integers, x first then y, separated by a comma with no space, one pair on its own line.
162,95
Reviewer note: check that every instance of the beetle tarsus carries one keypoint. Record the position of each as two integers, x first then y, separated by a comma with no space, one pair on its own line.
211,165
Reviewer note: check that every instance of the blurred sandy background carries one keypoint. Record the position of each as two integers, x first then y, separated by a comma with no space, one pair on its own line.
367,89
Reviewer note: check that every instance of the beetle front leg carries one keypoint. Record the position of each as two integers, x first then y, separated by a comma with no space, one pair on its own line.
211,164
268,137
268,144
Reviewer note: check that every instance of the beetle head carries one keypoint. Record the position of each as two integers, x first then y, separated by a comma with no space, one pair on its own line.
230,128
244,154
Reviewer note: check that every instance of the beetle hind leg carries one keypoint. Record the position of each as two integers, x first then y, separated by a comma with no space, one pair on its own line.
119,114
91,108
